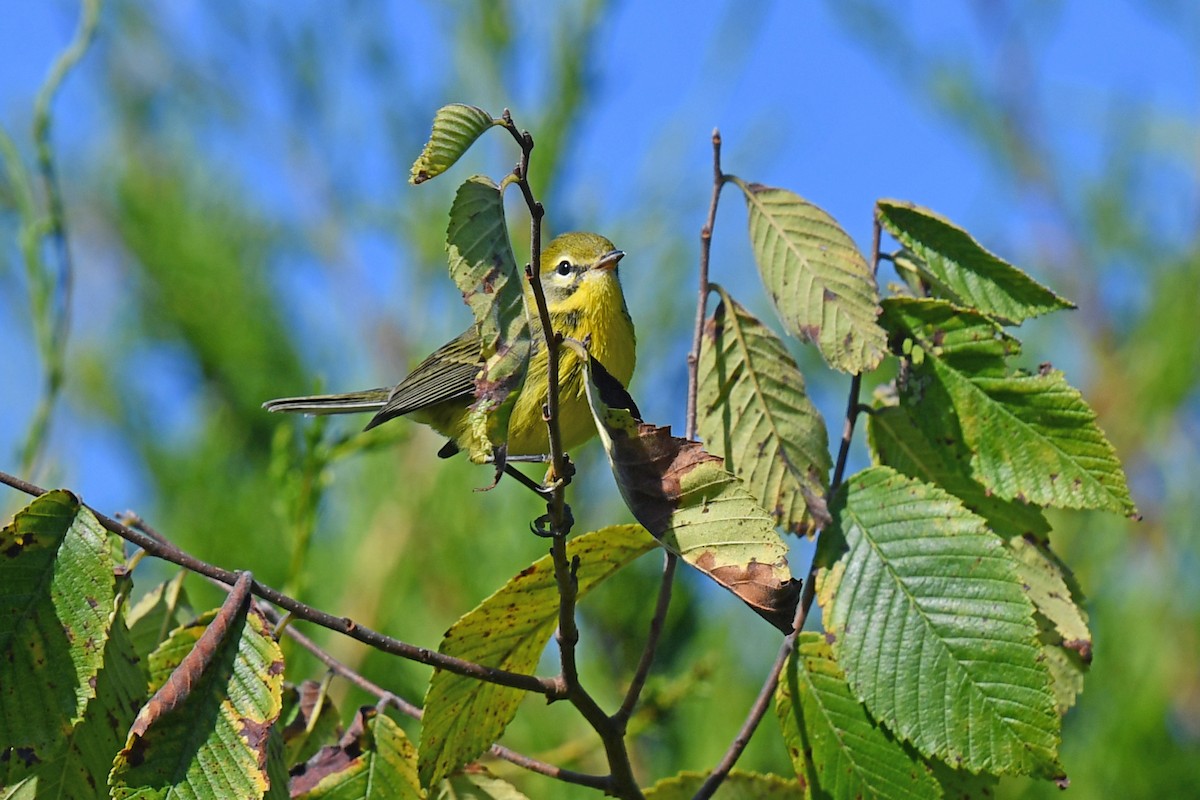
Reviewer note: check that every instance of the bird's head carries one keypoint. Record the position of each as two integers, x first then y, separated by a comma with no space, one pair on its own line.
578,269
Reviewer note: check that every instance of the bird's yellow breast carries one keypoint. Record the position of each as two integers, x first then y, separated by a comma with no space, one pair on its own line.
597,310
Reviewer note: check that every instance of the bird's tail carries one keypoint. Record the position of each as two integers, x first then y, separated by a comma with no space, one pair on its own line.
350,403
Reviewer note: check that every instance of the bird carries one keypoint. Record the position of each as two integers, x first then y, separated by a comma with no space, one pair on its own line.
580,280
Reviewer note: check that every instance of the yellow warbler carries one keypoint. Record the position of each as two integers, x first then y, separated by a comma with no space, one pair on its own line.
583,294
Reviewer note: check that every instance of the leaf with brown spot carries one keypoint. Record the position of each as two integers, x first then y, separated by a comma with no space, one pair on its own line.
373,761
455,129
483,267
54,558
208,733
822,288
509,630
753,410
697,510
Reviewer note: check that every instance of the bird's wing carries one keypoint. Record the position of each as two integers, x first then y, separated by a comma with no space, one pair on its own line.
447,374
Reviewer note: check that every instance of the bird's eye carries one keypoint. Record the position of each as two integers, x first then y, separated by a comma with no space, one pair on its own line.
564,268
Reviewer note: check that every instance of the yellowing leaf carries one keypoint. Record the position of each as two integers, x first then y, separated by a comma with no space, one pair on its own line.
822,287
455,129
696,509
508,630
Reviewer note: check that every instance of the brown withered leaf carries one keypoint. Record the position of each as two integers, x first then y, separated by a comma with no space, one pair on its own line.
685,498
374,758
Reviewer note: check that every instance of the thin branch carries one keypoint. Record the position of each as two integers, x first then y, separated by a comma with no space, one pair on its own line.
807,595
658,620
657,623
706,234
621,781
344,625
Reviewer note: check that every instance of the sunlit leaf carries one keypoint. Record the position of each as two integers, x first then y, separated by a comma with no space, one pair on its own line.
508,630
696,509
752,410
833,742
455,129
57,592
373,761
738,785
485,271
932,628
207,735
822,287
959,269
1032,437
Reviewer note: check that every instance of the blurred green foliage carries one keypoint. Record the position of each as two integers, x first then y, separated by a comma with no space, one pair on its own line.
246,276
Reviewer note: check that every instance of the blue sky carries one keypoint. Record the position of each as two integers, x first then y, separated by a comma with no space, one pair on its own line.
802,101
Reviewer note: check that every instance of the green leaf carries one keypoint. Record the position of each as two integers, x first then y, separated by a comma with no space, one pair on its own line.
1032,437
373,761
738,785
932,627
753,410
957,268
211,740
57,594
477,784
83,757
822,287
485,271
897,441
508,630
833,742
159,611
455,129
696,509
1067,664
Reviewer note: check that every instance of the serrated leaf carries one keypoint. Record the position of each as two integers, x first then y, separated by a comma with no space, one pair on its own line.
897,441
738,785
833,742
1032,437
83,757
57,592
957,268
822,287
476,783
455,129
485,271
373,761
753,410
508,630
157,613
212,742
696,509
932,627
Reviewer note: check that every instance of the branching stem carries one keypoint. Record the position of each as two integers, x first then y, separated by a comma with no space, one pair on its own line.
807,595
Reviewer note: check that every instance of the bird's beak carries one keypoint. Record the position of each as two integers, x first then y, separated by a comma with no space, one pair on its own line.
609,260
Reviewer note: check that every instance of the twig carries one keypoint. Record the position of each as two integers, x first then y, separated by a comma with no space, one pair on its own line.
693,362
702,300
620,782
807,595
657,622
344,625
